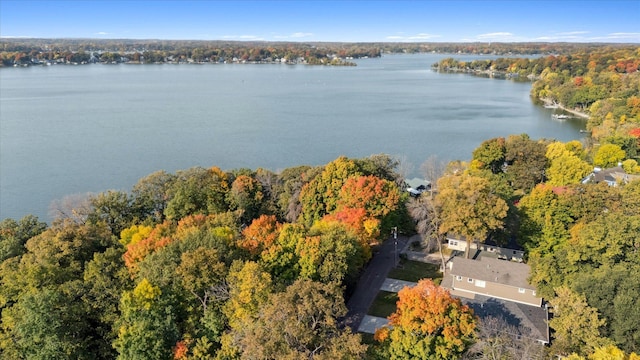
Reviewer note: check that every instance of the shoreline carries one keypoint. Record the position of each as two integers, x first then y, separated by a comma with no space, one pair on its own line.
579,114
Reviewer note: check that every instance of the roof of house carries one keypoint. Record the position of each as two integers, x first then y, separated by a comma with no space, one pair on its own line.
492,270
610,175
524,317
417,182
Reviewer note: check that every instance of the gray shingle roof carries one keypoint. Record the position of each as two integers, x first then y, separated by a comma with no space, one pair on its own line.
493,270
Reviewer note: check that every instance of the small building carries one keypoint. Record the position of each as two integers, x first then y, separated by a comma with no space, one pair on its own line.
459,243
417,186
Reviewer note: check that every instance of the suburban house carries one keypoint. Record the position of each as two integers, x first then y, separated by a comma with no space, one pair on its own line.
612,176
496,278
497,288
459,243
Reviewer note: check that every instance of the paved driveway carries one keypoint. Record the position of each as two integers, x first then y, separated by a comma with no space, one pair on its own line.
371,280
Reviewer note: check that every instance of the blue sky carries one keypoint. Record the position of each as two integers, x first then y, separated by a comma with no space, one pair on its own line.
345,21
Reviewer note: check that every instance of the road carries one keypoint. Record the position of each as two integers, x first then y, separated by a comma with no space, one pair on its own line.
371,281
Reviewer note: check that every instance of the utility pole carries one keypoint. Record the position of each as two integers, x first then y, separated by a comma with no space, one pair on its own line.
395,241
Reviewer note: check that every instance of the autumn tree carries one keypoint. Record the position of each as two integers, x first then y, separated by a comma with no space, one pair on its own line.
249,288
377,196
491,155
469,208
260,235
576,325
301,322
567,169
198,191
566,165
147,328
426,215
330,253
608,155
428,324
320,196
246,194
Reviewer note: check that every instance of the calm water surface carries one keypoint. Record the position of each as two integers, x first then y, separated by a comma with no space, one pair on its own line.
76,129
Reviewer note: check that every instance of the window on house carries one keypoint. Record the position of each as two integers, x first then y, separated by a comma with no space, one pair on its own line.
458,277
470,280
521,290
481,283
534,293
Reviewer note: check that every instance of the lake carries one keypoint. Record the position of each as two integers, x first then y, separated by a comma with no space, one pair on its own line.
76,129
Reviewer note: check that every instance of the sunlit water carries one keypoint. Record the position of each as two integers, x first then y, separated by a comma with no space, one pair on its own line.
76,129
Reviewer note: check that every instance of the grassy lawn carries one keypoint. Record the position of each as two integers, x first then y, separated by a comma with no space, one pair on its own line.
409,270
384,304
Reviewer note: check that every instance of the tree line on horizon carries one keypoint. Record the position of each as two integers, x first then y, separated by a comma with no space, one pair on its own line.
26,51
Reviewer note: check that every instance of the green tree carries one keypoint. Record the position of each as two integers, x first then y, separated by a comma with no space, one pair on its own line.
491,155
14,234
147,328
105,279
151,195
114,209
246,195
198,191
48,324
469,208
200,271
301,322
613,290
330,253
576,325
526,161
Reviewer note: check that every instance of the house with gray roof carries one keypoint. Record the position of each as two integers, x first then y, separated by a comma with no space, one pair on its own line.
499,289
492,277
612,176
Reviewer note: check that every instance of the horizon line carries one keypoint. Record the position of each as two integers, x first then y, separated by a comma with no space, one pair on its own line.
9,37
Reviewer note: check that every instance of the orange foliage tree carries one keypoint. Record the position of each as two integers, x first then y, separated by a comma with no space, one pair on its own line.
377,196
260,235
428,324
159,237
363,202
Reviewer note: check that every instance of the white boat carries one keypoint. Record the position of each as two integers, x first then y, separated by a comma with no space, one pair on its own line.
560,117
